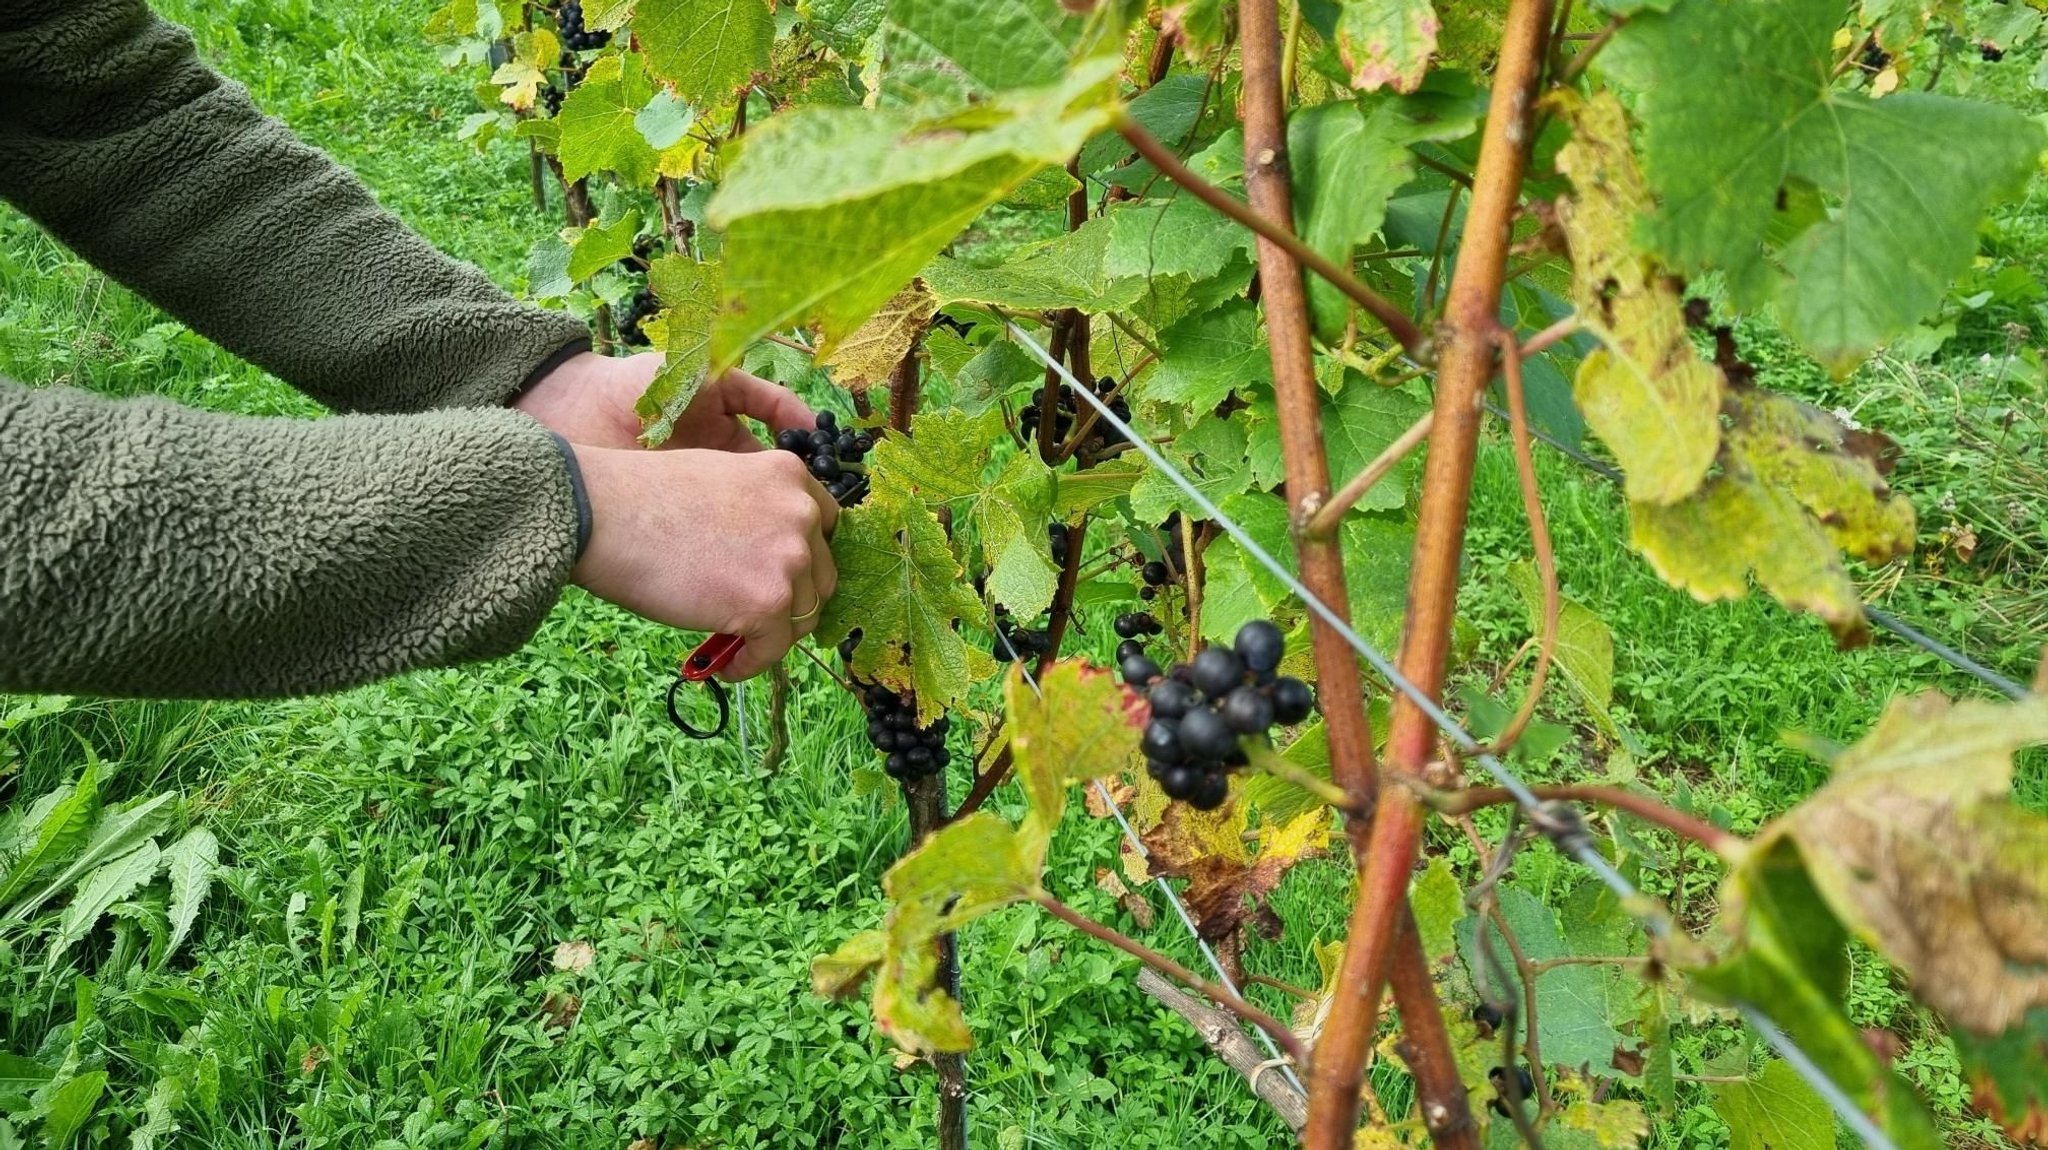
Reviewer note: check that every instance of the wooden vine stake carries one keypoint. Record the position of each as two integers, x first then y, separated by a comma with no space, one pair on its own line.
1285,296
1469,344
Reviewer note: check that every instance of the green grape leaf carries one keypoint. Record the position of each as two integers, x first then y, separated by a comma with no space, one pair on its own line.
899,583
994,372
597,123
1616,1125
1737,104
963,871
688,292
1439,906
1207,357
1916,848
1776,1110
1790,959
1237,588
941,460
1794,487
1199,26
665,123
1660,1064
1211,454
953,49
1169,110
1010,517
547,269
1078,725
1067,271
1080,491
599,246
708,49
1386,43
1346,161
1646,393
845,26
1571,1001
1359,423
2008,1076
1585,645
1180,236
827,212
873,351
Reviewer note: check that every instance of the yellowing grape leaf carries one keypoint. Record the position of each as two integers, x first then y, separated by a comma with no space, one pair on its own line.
899,583
872,352
1738,105
1917,849
708,49
597,123
963,871
842,973
1439,906
533,53
1386,43
1776,1110
688,292
1077,726
1789,960
1229,877
601,245
1617,1125
827,212
1790,493
1648,396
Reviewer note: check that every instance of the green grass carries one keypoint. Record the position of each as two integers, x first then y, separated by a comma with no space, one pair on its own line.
406,857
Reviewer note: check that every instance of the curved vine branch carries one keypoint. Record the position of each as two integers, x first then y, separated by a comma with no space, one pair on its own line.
1539,533
1407,331
1644,807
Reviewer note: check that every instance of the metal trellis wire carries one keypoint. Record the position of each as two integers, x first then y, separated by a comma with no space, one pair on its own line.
1579,845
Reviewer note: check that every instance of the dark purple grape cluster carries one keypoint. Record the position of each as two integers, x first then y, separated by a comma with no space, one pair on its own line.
551,99
1990,52
637,311
1202,709
1156,574
1136,625
1014,642
911,752
1100,436
576,37
834,455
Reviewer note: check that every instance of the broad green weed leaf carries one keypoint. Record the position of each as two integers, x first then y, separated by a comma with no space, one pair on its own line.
19,1078
1646,393
1209,356
56,826
828,211
1346,161
1585,646
899,583
1736,104
1359,423
102,889
1789,958
688,292
597,123
1178,236
191,863
115,835
601,245
69,1107
1386,43
1069,270
1571,1001
873,351
708,49
1776,1110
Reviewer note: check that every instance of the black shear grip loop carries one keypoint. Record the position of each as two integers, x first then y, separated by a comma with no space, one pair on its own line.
675,714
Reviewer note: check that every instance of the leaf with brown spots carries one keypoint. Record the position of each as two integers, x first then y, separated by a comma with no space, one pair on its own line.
868,356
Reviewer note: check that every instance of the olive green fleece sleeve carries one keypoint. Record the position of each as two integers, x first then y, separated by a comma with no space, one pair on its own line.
150,549
119,141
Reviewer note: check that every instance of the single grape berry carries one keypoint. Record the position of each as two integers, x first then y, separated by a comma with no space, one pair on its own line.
1179,781
1247,711
1129,648
1217,670
1155,573
1139,672
1260,645
1209,791
896,766
1292,701
1204,735
1148,594
825,466
791,439
1172,698
1162,741
1489,1018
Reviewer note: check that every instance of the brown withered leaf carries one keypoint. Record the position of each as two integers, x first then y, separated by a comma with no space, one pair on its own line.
1230,870
575,956
1141,912
868,356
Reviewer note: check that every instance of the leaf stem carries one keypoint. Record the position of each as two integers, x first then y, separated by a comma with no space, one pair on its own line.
1379,307
1539,533
1221,995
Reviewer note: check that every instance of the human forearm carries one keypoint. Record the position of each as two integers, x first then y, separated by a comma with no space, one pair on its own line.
115,137
149,549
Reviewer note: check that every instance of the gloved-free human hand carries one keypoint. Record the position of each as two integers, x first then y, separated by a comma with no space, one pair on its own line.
589,399
711,541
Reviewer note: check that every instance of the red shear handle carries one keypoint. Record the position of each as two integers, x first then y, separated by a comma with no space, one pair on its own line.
711,656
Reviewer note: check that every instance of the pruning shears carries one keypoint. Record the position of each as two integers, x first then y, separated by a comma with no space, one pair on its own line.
713,655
